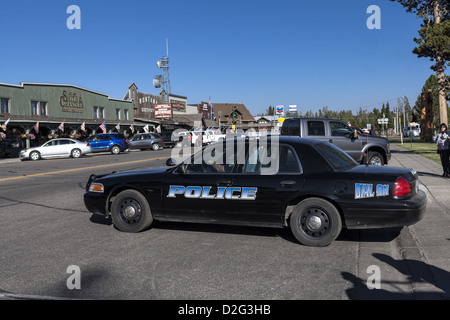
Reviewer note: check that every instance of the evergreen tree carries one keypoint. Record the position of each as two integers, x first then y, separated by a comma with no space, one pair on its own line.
434,41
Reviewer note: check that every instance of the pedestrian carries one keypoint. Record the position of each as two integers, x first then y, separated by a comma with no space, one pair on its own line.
442,140
372,131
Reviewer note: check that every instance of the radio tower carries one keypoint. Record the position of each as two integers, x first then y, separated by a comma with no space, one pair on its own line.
164,79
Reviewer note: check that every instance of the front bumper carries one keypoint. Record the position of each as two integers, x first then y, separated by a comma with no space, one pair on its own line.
383,214
96,203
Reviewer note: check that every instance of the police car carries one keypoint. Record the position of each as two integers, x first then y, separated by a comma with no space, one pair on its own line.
307,185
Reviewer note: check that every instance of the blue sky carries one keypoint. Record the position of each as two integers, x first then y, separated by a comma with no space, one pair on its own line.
257,52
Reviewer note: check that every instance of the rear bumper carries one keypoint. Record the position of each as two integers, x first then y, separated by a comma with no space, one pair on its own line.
382,214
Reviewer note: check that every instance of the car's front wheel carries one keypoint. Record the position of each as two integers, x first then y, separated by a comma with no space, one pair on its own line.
131,212
155,146
35,155
375,158
315,222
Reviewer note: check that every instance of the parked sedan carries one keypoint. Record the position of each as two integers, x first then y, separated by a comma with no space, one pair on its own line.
147,141
309,186
56,148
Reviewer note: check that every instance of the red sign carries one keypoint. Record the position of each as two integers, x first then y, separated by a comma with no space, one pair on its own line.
163,111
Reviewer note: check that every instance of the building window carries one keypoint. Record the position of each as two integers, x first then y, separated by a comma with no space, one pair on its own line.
43,108
4,103
99,113
117,114
125,113
34,108
38,108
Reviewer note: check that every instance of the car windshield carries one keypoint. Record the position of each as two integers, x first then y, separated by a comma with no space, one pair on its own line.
337,158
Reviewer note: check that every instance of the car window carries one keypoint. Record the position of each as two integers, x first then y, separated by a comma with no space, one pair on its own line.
316,128
287,159
64,142
339,129
105,138
337,158
212,159
51,143
291,127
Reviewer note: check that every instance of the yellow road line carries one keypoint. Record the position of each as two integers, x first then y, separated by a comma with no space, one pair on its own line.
80,169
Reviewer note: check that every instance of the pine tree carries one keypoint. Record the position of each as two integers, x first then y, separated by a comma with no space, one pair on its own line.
434,41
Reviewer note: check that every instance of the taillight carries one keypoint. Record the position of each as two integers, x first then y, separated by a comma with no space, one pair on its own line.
402,188
88,145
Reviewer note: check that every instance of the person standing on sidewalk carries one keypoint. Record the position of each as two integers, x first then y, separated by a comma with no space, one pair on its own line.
442,140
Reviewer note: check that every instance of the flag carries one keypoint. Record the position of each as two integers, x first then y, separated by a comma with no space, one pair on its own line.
118,127
5,124
146,128
103,126
36,127
132,128
83,127
61,126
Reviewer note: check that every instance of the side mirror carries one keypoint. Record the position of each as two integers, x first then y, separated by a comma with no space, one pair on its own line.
170,162
182,168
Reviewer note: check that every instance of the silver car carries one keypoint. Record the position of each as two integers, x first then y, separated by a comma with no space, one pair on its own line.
63,147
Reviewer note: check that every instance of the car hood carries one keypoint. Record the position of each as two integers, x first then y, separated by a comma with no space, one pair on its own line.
366,137
156,173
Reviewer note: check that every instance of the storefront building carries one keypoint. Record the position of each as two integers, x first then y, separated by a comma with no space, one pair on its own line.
37,112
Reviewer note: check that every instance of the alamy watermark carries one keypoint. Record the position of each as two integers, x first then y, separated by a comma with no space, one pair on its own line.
74,20
74,280
374,21
374,280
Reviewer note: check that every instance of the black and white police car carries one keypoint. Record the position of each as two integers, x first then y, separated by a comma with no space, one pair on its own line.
310,186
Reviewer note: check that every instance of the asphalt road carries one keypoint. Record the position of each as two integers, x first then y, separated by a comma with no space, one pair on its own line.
45,228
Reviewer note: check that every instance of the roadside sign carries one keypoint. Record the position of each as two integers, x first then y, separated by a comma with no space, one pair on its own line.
383,121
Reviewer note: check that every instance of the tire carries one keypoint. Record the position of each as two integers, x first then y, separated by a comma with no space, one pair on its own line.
115,149
375,159
76,153
155,147
130,212
35,156
315,222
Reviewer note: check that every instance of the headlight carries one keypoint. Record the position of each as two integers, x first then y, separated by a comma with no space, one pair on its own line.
96,187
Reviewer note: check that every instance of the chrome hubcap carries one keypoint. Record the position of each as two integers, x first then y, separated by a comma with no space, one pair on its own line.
129,212
314,223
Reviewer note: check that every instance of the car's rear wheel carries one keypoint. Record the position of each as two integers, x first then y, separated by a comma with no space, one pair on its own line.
115,149
155,146
76,153
315,222
130,212
35,155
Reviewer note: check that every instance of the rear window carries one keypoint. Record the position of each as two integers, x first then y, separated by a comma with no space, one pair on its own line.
291,127
120,136
337,158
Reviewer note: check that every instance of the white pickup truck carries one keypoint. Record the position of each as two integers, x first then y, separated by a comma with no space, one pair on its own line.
207,137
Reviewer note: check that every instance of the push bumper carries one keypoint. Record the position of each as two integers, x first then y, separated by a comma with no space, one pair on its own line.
382,214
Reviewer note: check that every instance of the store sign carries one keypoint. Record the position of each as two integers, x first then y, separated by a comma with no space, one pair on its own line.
163,111
71,102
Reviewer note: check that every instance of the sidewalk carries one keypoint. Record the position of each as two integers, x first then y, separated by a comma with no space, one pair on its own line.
432,234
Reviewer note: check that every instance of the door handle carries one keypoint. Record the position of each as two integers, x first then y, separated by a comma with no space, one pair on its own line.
288,183
224,183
